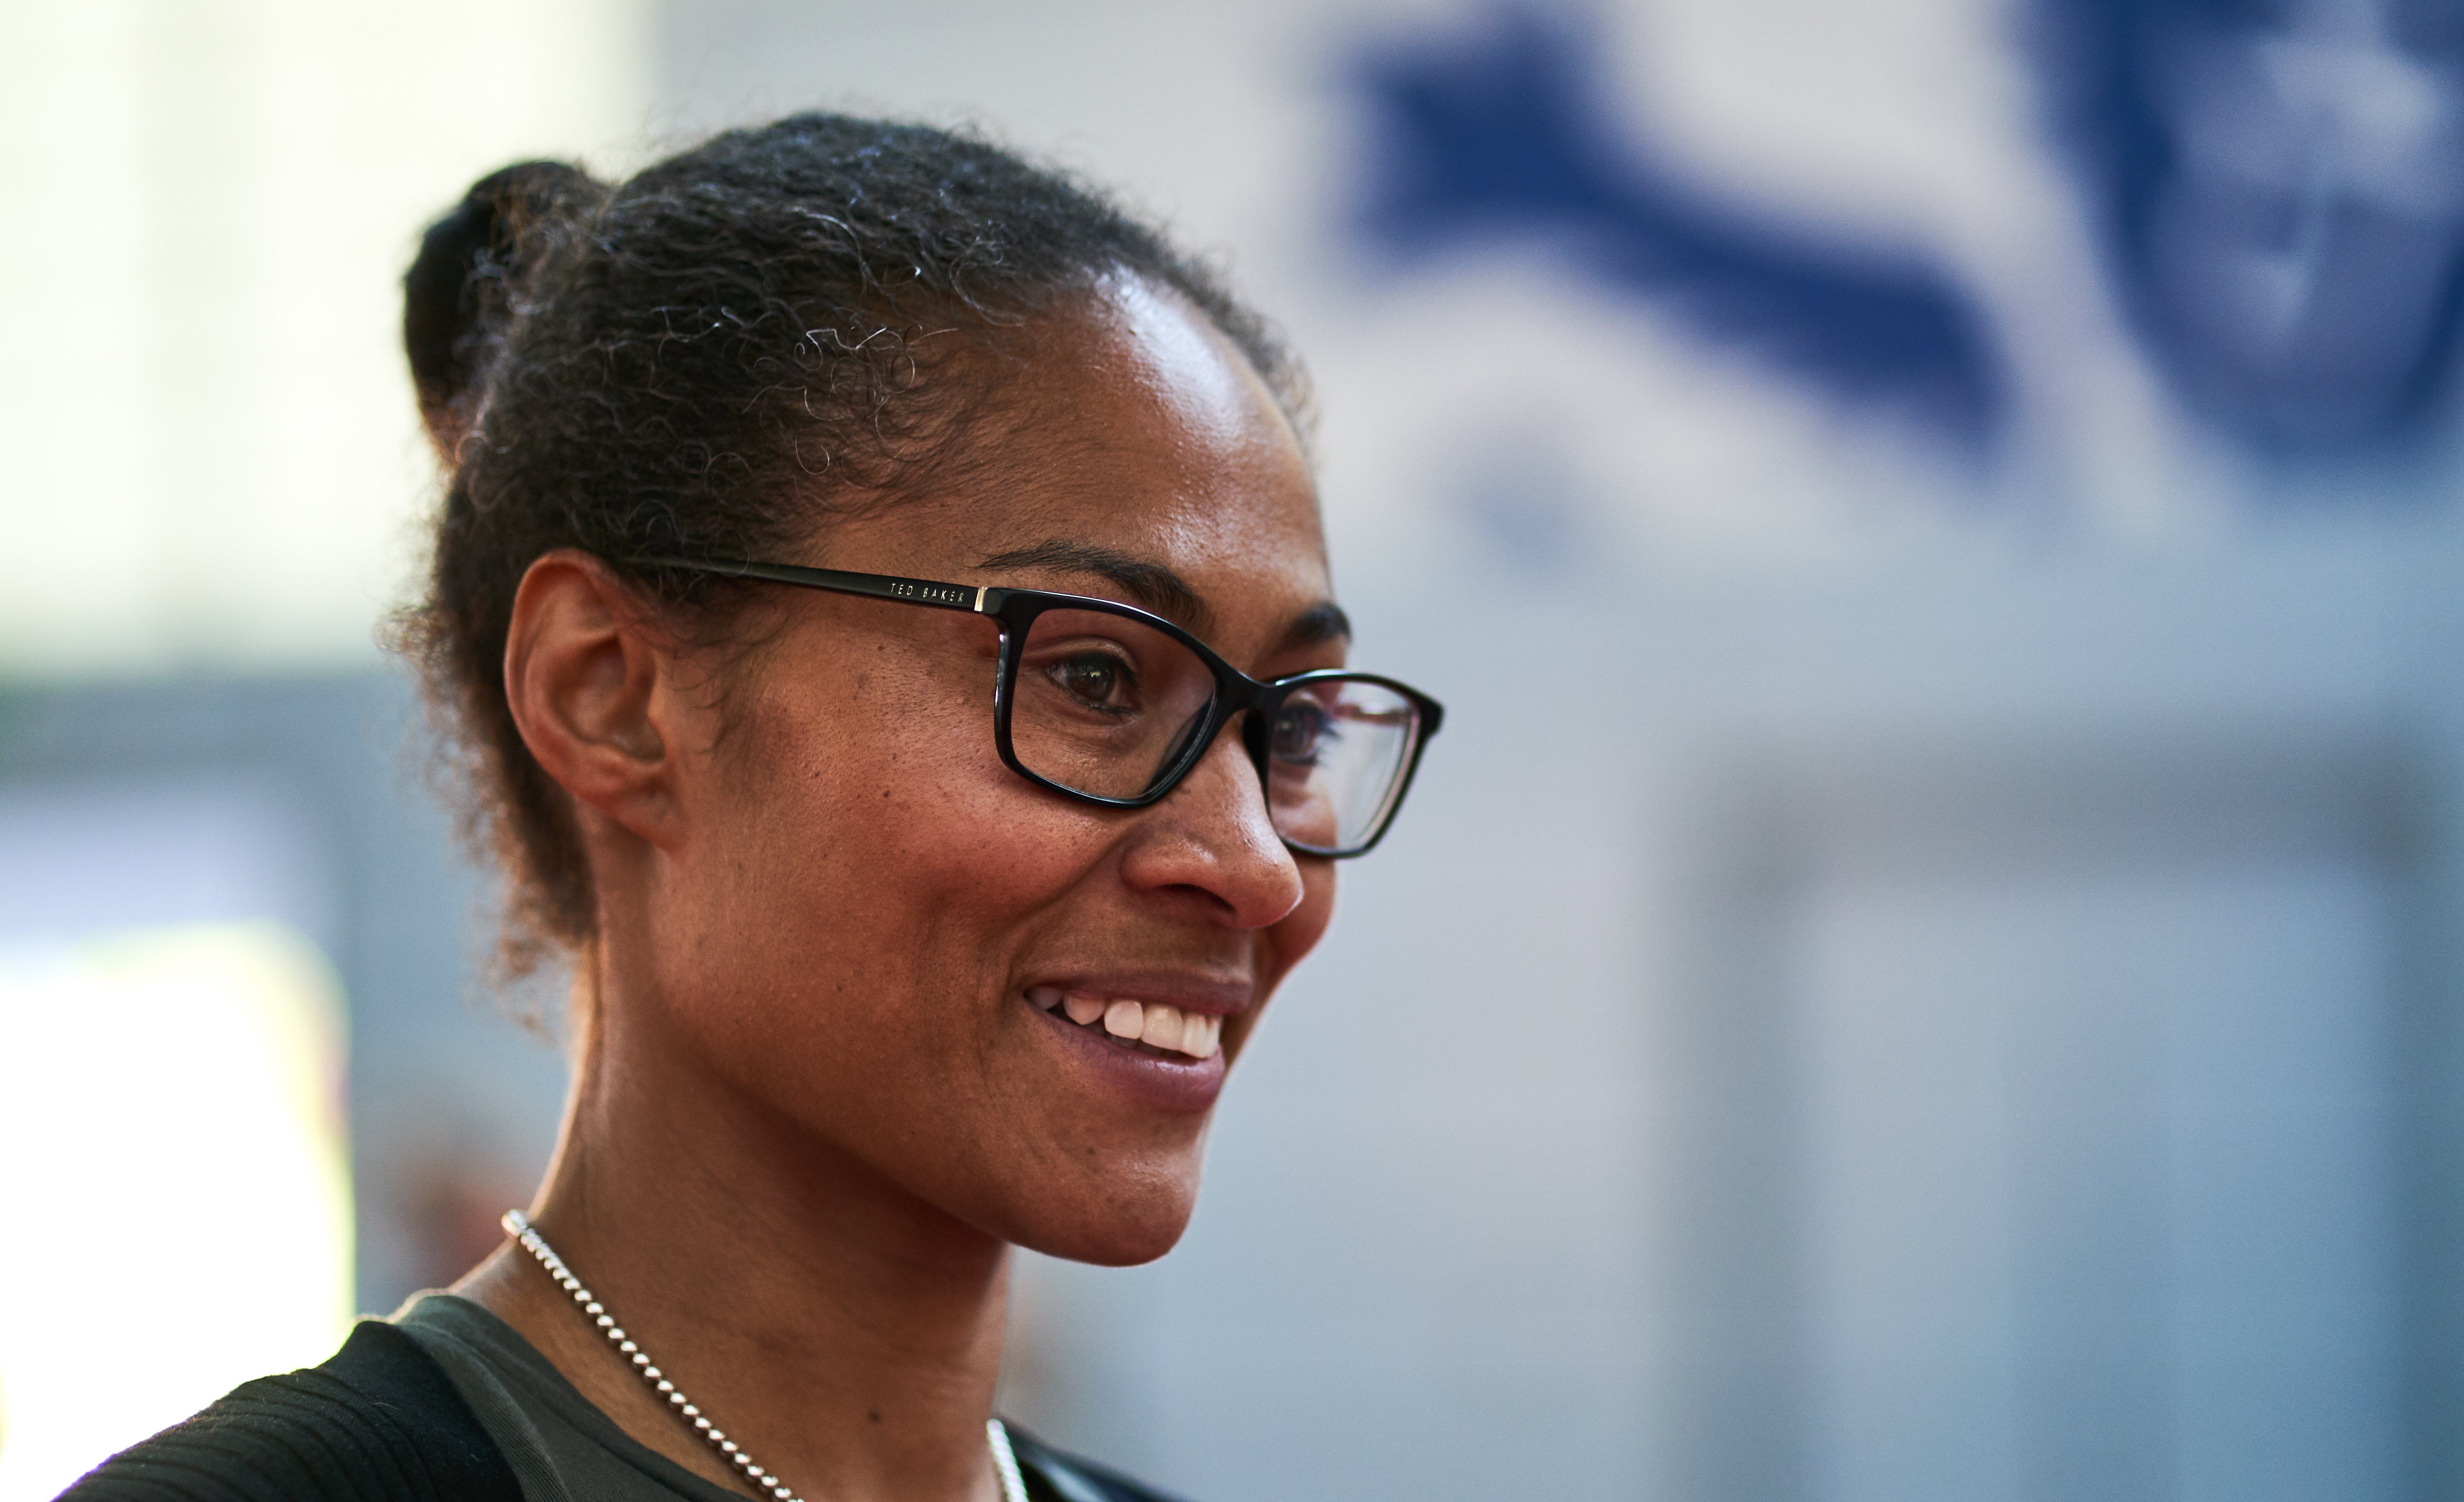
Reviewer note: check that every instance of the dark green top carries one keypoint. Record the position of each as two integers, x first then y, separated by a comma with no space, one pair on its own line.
448,1404
560,1447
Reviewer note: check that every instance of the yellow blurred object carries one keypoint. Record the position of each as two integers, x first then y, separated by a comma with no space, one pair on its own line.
175,1183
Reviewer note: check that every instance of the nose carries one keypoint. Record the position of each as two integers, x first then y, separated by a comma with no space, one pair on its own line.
1213,836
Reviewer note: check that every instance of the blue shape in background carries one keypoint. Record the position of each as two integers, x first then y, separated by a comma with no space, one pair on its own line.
1502,134
2356,349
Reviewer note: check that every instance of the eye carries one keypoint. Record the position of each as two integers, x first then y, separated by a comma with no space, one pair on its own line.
1301,731
1095,679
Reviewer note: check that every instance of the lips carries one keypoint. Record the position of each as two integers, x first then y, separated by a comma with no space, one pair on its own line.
1158,1025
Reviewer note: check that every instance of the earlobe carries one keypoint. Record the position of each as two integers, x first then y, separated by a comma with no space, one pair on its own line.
587,680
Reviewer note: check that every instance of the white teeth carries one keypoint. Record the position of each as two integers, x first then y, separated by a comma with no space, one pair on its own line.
1154,1024
1162,1028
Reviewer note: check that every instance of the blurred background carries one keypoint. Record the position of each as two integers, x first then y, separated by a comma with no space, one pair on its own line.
1924,966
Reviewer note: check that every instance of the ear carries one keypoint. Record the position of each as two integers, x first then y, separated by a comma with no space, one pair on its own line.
592,690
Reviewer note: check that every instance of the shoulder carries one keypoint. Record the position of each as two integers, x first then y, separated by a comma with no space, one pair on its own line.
378,1423
1057,1476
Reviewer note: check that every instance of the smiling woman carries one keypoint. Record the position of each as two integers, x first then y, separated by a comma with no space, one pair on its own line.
918,910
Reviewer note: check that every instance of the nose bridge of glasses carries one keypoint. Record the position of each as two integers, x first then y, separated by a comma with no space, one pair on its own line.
1257,735
1253,790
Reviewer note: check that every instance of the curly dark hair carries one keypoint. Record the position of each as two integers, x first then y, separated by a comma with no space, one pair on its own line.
712,359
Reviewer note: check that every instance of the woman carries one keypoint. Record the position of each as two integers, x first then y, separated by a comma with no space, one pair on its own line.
881,600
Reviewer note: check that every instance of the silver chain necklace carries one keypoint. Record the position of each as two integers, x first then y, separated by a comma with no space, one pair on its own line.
519,1226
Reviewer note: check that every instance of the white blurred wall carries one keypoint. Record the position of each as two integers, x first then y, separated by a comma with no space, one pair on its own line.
213,459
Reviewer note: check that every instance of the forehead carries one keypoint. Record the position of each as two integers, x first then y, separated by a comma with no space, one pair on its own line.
1132,425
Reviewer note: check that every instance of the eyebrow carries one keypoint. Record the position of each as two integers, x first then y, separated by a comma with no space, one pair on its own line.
1147,583
1321,623
1157,587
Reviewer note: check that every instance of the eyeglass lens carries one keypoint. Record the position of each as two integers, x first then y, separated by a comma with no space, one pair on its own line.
1106,706
1335,761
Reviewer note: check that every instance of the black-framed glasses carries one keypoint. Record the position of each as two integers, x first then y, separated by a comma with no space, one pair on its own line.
1109,705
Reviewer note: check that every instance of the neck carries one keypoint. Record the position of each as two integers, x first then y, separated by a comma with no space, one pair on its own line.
845,1334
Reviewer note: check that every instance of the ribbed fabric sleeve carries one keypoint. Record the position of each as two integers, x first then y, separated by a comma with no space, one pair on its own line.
378,1423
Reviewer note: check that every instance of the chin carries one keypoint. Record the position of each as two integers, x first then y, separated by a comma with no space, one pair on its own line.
1123,1247
1136,1224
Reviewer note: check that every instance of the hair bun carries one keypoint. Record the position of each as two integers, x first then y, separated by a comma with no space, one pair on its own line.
455,296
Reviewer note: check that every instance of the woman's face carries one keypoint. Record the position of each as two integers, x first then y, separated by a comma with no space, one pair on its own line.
867,918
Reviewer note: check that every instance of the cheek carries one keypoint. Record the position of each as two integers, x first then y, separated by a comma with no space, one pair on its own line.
871,856
870,878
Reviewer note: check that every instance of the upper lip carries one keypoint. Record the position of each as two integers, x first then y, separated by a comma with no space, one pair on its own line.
1212,995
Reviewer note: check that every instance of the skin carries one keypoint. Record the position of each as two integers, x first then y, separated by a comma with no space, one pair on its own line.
812,1110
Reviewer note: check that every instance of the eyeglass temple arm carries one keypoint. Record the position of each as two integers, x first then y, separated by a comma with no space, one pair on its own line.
881,586
978,599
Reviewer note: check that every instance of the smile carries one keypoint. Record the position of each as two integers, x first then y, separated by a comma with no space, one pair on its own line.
1127,1023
